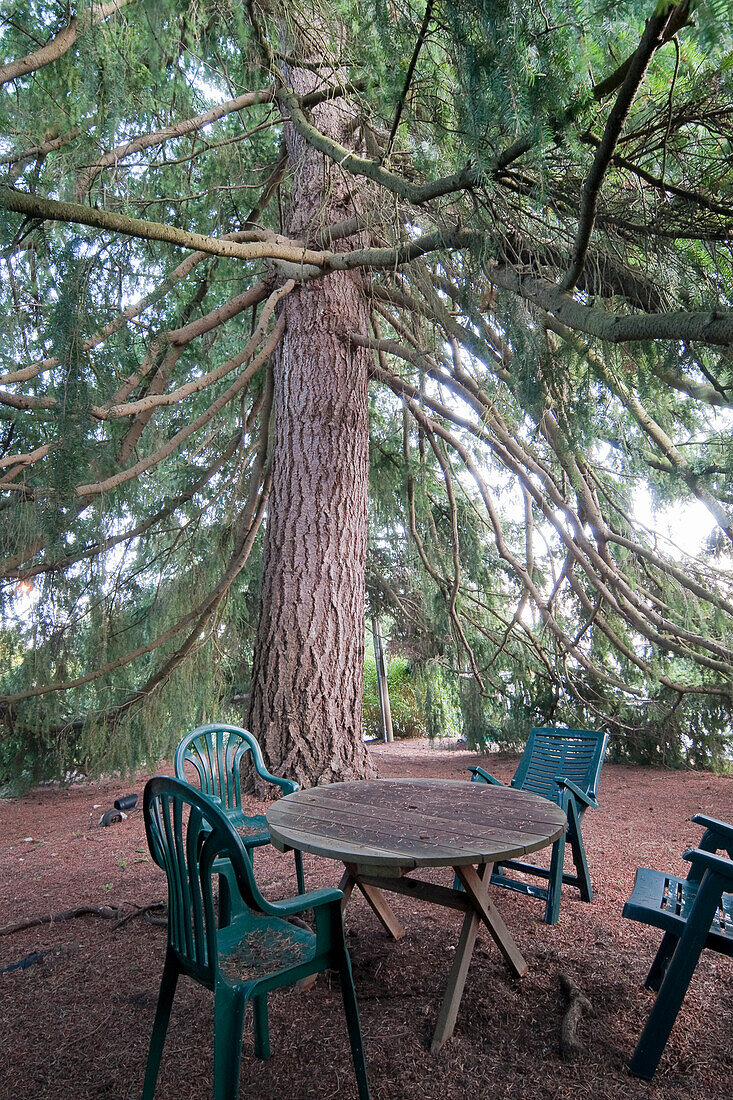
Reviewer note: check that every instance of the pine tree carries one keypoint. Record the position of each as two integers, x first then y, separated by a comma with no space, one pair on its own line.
296,297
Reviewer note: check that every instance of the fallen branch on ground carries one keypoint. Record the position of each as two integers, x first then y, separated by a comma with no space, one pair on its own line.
142,911
108,912
570,1044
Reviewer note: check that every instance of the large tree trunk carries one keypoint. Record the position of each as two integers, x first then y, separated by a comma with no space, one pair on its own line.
307,676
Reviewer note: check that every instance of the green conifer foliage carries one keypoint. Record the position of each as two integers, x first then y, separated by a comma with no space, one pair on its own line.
545,215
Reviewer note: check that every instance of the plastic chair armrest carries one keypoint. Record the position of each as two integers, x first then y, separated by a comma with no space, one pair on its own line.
721,828
487,777
315,899
708,861
583,796
287,907
287,785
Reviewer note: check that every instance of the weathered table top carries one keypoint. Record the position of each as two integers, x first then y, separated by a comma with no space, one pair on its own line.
396,825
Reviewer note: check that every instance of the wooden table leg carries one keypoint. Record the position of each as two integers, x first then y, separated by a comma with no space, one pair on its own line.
376,899
475,887
346,886
456,982
484,910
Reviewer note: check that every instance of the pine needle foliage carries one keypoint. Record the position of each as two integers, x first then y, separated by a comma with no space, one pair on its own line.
550,281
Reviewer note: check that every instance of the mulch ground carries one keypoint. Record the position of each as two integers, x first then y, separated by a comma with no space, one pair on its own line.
76,1021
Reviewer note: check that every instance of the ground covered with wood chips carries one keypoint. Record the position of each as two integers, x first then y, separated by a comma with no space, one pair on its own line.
76,1019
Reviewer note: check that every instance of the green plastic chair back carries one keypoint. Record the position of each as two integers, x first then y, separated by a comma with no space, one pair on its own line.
215,753
211,757
562,765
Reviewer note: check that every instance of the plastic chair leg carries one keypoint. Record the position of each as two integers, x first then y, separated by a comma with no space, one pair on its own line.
661,960
578,850
160,1026
351,1011
262,1027
672,992
229,1008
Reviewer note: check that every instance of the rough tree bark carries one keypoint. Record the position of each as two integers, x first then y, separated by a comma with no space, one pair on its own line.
307,675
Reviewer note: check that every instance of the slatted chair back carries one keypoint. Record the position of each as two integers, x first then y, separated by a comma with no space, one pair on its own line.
576,755
214,755
211,758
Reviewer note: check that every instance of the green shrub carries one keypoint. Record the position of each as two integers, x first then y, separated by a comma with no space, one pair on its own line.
408,717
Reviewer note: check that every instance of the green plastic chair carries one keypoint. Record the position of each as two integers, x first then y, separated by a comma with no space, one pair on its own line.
695,913
564,766
213,756
258,951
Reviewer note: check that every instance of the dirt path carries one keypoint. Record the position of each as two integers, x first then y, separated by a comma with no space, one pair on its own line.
76,1022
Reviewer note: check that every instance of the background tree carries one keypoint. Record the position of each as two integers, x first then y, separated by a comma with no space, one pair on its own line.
216,222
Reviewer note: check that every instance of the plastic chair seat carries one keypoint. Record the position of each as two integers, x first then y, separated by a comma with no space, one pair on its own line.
257,947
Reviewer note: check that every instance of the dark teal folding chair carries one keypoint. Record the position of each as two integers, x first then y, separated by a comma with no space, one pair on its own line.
564,766
695,913
258,951
212,757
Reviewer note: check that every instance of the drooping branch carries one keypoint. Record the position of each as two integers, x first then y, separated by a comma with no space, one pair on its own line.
713,327
176,130
200,615
654,431
408,76
291,258
249,524
632,605
651,40
348,161
399,387
106,485
60,43
126,536
123,317
153,401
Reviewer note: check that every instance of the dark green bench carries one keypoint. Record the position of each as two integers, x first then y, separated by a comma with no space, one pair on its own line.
695,913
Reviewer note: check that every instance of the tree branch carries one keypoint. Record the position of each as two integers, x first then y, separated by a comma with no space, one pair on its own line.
60,43
651,40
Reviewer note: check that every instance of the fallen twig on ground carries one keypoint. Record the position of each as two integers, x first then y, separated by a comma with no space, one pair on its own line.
142,911
109,912
570,1044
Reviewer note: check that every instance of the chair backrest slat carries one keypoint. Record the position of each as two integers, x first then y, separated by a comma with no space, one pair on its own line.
576,755
186,830
215,752
176,830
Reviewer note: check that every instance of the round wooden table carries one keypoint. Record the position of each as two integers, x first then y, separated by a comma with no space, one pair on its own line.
384,829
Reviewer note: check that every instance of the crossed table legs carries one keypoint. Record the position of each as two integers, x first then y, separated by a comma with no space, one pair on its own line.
473,900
